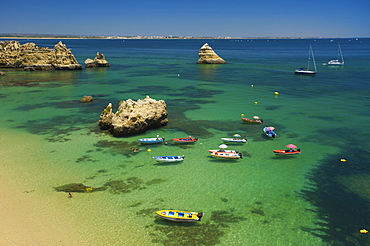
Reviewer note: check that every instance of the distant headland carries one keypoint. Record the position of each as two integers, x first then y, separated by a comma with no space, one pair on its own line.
55,36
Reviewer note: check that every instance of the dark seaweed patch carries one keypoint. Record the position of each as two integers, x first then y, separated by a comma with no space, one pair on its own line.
341,213
130,184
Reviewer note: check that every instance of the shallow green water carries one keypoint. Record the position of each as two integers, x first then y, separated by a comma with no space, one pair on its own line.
311,199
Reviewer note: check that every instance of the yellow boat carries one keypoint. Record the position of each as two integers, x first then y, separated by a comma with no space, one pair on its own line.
177,215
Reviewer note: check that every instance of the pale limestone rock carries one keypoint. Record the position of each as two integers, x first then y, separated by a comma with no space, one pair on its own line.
208,56
99,61
133,117
31,57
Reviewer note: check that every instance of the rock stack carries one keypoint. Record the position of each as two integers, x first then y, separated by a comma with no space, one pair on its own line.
31,57
133,117
99,61
208,56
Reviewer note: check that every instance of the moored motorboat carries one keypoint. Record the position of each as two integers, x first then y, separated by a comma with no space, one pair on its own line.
181,216
291,151
255,119
234,140
189,139
269,131
227,155
287,151
174,158
237,138
223,150
151,140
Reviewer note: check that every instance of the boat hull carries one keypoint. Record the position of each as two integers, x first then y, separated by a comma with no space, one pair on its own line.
179,216
286,152
305,72
227,155
226,151
151,140
269,133
234,140
252,121
185,140
175,158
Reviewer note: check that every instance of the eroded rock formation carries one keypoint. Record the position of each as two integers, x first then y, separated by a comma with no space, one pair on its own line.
133,117
99,61
208,56
31,57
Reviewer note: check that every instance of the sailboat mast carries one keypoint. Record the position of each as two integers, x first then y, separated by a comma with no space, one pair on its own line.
313,58
340,53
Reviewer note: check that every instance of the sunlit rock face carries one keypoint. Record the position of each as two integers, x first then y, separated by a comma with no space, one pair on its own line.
208,56
31,57
133,117
99,61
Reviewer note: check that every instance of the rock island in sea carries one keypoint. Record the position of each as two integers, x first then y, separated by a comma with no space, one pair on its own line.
133,117
31,57
208,56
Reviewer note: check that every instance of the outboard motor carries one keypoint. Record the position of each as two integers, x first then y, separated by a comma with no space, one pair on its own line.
200,215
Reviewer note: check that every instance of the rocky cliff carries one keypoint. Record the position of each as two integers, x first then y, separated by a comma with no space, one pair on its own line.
133,117
99,61
208,56
31,57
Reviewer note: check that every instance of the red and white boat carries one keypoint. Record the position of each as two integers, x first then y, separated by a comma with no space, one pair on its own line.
291,151
189,139
227,155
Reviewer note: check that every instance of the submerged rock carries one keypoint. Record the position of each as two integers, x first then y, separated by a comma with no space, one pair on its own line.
208,56
99,61
78,187
133,117
31,57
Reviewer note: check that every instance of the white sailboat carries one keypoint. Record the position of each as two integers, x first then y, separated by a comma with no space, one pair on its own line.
307,71
339,61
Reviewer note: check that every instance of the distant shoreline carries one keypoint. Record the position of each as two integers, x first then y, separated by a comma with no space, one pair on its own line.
162,37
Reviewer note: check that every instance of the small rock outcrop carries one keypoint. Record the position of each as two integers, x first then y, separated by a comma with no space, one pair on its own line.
2,73
31,57
86,99
133,117
99,61
208,56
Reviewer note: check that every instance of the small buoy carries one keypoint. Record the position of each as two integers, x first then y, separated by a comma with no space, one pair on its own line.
178,74
252,85
242,115
149,150
343,160
364,231
276,93
255,102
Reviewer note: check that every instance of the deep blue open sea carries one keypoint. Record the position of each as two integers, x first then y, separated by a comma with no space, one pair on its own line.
320,197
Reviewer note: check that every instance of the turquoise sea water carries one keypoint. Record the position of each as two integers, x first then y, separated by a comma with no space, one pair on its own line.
262,199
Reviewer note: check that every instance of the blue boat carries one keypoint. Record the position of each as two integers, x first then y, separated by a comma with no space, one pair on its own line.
155,140
269,131
169,158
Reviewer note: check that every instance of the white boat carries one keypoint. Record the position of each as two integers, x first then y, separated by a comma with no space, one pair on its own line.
165,158
227,155
307,71
155,140
234,140
223,150
339,61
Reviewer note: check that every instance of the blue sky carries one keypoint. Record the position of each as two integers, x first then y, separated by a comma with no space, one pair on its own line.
235,18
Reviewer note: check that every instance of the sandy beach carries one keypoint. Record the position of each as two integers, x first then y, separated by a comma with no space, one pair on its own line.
27,216
33,213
